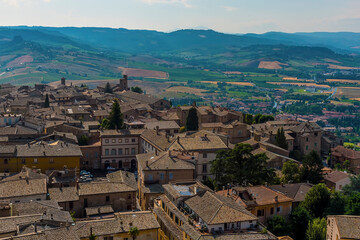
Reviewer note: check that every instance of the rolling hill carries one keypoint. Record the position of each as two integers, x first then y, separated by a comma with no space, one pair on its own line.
45,54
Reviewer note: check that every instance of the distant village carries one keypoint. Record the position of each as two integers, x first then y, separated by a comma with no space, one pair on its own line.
113,163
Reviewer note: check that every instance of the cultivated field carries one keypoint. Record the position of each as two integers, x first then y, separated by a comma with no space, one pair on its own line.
249,84
271,65
136,72
348,92
300,84
344,81
20,60
195,91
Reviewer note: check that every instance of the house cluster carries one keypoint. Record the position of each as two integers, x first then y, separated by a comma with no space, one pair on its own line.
63,176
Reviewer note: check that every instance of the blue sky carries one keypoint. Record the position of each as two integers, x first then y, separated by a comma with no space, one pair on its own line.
230,16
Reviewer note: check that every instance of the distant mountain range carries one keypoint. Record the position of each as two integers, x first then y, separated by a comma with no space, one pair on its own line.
146,41
34,54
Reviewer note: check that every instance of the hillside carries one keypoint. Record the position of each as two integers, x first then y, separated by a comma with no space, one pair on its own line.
45,54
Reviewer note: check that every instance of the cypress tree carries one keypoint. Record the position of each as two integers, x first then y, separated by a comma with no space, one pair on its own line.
116,117
47,102
192,121
108,88
281,139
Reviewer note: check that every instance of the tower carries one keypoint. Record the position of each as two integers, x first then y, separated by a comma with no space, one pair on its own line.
63,81
124,83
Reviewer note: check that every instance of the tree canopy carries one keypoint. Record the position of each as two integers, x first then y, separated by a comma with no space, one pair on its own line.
290,172
108,88
312,168
115,120
317,200
316,229
47,102
280,139
240,166
192,121
137,89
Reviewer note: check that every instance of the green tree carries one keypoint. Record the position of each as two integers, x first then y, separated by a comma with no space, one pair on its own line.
192,121
317,200
352,206
47,102
280,139
265,118
92,237
290,172
249,119
83,140
316,229
108,88
137,89
354,185
257,117
240,166
346,165
134,232
116,120
312,168
299,221
337,204
277,225
105,124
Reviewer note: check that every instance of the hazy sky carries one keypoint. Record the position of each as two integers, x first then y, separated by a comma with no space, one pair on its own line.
232,16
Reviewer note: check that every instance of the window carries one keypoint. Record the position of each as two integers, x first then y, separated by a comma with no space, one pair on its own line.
126,151
51,160
107,199
204,168
38,199
278,209
133,151
150,178
96,154
108,238
106,152
272,211
113,140
307,139
120,151
120,140
6,161
35,160
260,212
126,140
113,151
106,140
133,140
23,161
204,155
162,176
85,202
315,144
307,147
171,176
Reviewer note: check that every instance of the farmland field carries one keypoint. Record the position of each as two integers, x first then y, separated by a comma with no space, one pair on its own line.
348,92
195,91
301,84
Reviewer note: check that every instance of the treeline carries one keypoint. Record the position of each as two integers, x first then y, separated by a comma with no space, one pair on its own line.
258,118
302,108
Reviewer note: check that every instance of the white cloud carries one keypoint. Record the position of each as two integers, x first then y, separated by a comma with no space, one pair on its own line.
230,8
185,3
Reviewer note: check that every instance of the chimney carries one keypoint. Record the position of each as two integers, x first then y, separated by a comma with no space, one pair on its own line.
147,163
157,130
276,198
